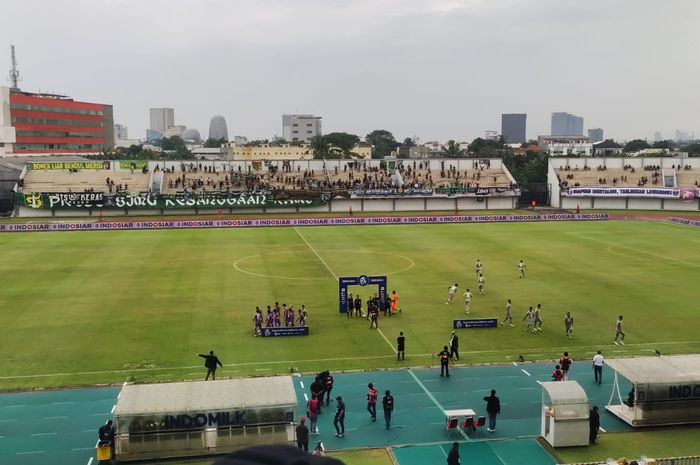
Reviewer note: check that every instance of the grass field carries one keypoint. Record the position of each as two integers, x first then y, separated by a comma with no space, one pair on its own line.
100,307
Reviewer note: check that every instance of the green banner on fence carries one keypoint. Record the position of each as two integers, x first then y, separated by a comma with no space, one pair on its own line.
99,200
132,164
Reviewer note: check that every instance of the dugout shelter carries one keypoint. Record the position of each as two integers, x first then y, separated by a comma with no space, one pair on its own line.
564,414
664,390
203,417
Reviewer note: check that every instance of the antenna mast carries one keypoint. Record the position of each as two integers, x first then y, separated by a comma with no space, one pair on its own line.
14,72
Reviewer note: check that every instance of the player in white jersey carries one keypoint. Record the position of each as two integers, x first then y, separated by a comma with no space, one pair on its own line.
467,300
478,266
521,269
508,317
451,293
619,333
569,325
529,320
538,318
481,281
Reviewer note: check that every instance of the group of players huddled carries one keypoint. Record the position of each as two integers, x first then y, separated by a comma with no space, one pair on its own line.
389,306
275,315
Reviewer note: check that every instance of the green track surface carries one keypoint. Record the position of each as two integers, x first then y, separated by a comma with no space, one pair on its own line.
100,307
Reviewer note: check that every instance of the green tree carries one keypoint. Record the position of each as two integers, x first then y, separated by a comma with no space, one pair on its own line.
320,147
452,149
664,144
382,141
342,140
214,143
693,149
409,142
636,145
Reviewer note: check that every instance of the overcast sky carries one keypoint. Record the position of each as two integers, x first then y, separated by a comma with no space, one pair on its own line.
443,69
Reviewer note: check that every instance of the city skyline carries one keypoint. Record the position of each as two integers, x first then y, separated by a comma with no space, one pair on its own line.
371,75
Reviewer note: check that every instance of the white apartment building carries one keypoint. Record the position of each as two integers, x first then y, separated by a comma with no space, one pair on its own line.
301,128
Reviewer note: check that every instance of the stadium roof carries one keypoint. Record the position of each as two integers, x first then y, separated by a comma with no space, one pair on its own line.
658,370
205,396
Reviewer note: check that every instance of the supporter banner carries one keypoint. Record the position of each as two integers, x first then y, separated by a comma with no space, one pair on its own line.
688,195
479,191
99,200
685,221
651,192
294,222
69,165
136,164
389,192
285,331
475,323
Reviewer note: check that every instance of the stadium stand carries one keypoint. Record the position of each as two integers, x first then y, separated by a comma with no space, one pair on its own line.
84,181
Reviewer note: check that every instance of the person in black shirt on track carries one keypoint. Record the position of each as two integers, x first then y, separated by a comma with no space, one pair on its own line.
210,362
444,357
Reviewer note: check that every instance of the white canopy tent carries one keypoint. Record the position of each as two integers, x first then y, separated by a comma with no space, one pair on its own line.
665,390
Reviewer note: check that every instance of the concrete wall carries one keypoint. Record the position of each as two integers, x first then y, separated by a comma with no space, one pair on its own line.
339,205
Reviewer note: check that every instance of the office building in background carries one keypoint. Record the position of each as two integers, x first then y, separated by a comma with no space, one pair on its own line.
595,135
218,129
513,127
162,119
566,124
301,128
120,132
50,123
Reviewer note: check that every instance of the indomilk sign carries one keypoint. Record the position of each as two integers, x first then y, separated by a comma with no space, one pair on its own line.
201,420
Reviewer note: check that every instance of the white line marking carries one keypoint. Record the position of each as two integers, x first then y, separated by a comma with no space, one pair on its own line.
523,370
83,448
32,452
515,364
306,398
387,341
526,389
601,428
16,406
263,369
53,433
54,418
371,357
89,461
663,257
8,420
431,397
539,382
113,407
319,257
63,403
301,383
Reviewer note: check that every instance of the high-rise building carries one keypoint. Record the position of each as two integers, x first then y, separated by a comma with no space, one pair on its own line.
48,123
301,128
658,137
120,132
513,127
566,124
218,129
162,119
7,131
595,135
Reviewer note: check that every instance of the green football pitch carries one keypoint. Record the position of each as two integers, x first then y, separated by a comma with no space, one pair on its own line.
102,307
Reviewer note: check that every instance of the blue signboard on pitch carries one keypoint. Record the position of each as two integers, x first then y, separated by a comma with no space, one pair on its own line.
475,323
285,331
362,280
